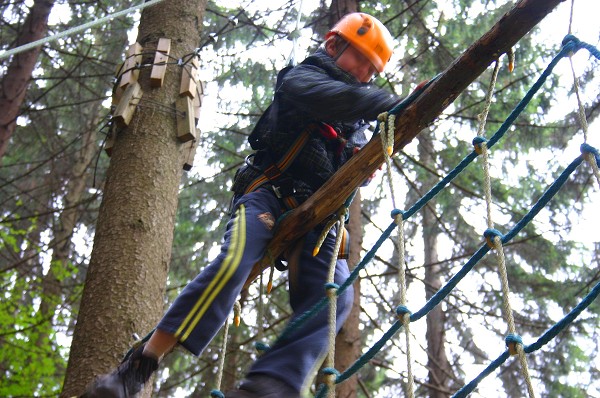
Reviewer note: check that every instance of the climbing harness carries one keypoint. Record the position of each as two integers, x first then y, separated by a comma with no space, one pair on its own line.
274,174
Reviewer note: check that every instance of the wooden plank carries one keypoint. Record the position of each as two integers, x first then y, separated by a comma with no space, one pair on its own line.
126,107
109,143
117,95
130,72
186,124
189,78
189,153
159,66
424,110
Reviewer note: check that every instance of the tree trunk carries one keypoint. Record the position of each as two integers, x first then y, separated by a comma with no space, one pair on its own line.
124,288
339,8
230,373
437,363
13,86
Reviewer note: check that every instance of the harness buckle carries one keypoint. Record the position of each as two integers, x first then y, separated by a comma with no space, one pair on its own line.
284,188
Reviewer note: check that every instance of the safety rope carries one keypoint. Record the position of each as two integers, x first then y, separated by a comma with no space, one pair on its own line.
260,346
515,346
593,161
216,392
295,34
260,330
387,141
580,108
76,29
402,312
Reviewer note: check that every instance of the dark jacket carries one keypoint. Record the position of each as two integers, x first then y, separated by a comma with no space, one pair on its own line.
314,92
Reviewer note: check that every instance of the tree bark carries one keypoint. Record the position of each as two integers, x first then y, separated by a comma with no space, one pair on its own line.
124,288
13,86
423,110
339,8
439,369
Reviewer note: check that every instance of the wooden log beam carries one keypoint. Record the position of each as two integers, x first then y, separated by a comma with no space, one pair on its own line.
517,22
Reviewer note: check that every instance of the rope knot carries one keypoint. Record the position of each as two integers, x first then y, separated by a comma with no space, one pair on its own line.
511,342
490,234
586,148
217,394
331,375
478,144
332,289
397,215
344,212
571,42
401,310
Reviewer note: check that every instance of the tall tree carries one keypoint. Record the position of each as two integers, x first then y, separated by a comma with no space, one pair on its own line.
13,85
132,246
437,362
45,177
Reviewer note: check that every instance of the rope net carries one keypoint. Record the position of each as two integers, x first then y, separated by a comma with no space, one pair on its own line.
495,240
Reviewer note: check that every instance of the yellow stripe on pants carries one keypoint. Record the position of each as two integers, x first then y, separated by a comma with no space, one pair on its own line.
227,269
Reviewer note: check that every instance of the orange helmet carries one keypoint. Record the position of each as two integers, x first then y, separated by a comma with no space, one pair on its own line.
368,35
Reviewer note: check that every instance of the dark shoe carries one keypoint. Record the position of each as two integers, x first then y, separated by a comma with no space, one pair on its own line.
263,387
125,381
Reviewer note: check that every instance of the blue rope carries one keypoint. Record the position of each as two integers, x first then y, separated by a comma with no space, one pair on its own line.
467,389
559,326
571,40
441,294
544,199
587,148
542,340
323,390
570,45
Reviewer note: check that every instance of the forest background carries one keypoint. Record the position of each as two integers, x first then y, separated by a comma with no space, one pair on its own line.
54,167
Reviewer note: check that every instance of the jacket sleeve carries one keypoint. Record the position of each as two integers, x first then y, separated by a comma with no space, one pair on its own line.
313,91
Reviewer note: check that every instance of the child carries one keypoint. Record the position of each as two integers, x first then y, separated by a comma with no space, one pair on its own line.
315,123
